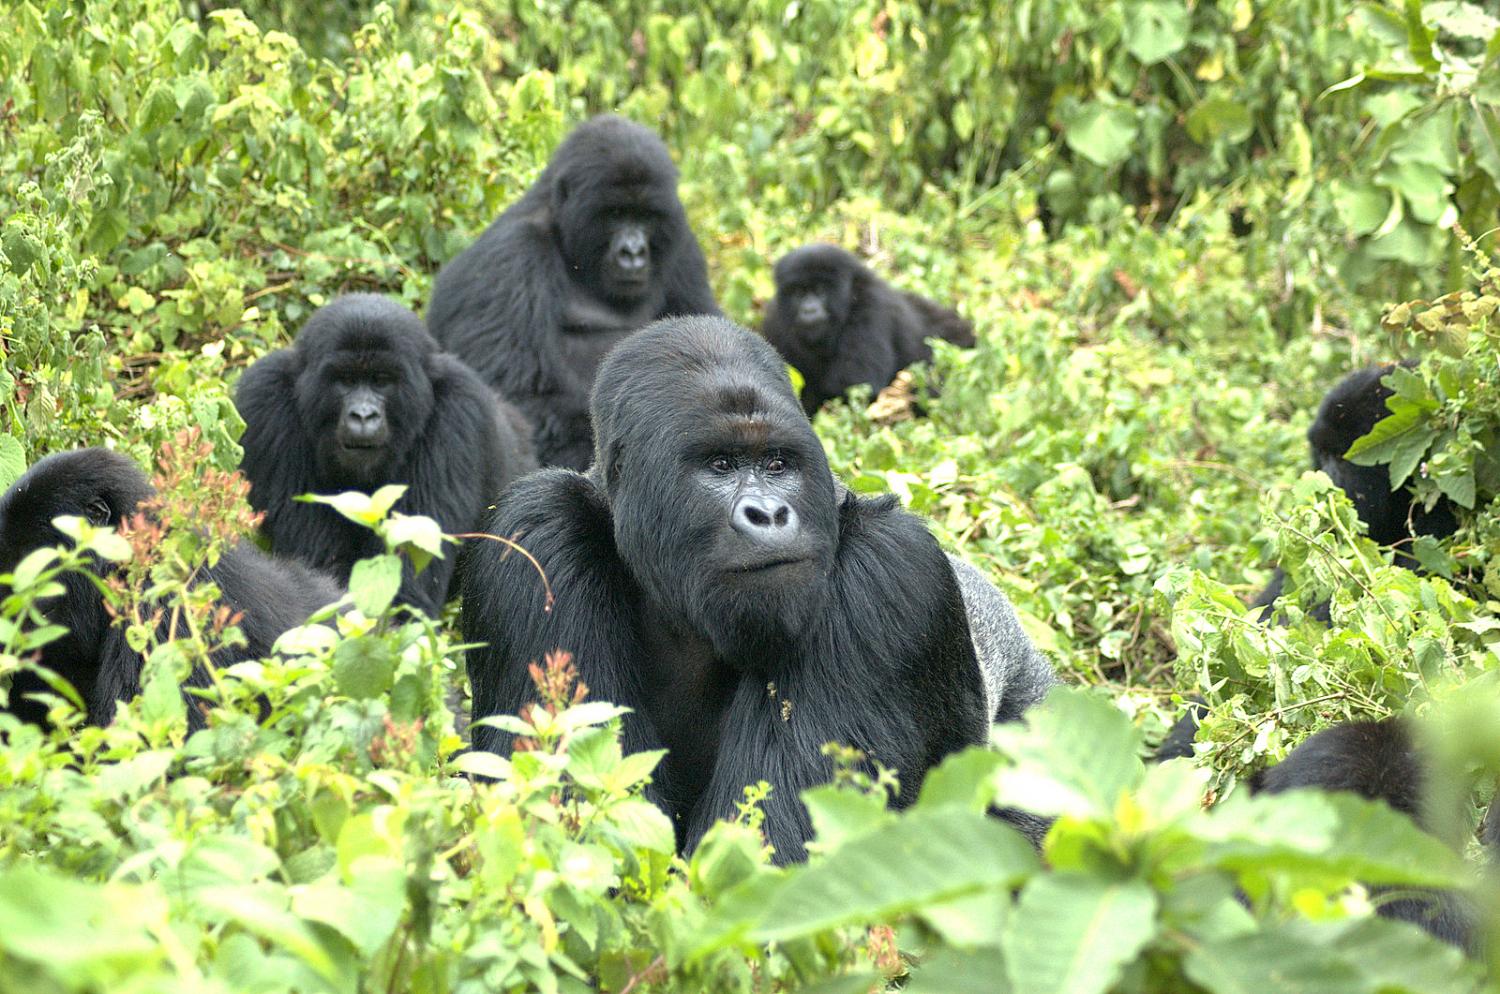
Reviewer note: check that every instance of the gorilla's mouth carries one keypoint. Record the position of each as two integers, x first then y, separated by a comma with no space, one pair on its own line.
769,564
361,445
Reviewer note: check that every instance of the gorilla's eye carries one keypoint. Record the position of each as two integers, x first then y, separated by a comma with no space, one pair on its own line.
776,465
97,511
721,464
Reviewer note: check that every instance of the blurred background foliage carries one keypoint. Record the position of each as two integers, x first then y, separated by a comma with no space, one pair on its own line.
1175,225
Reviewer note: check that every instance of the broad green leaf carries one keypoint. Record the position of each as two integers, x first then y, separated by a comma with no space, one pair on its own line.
1219,117
643,824
12,461
365,910
1075,754
1101,132
966,778
363,667
925,857
374,582
839,814
1156,29
1075,933
1363,207
955,971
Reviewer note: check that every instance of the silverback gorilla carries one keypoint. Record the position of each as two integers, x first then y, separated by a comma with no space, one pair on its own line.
841,325
710,575
597,248
105,488
1379,761
364,398
1349,411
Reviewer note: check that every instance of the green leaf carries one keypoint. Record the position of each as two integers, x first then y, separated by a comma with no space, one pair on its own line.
12,461
1101,132
1156,29
363,667
374,583
1219,117
955,971
1363,207
925,857
1075,933
643,825
365,910
966,778
1075,754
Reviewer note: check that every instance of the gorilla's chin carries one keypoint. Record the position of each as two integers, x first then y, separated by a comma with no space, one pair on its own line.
362,464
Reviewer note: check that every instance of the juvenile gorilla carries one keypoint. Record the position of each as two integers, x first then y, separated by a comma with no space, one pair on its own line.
364,398
1349,412
841,325
105,488
1379,761
597,248
709,575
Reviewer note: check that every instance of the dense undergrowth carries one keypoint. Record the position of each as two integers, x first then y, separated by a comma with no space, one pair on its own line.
1174,225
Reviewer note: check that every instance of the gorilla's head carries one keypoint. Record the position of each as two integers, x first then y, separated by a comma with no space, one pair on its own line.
98,485
364,391
1348,412
614,207
815,288
724,507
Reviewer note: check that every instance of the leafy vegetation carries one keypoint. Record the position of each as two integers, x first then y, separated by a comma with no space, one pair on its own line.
1174,224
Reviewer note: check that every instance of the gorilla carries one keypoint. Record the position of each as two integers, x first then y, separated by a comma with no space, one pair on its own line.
363,398
711,575
1349,412
105,488
597,248
1379,761
841,325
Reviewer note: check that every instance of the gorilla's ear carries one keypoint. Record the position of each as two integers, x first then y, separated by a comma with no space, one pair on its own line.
98,512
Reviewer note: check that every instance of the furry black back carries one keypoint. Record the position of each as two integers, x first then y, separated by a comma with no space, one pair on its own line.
864,331
452,442
523,305
105,488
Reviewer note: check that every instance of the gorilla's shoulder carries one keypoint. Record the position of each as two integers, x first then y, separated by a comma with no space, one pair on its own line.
887,551
555,512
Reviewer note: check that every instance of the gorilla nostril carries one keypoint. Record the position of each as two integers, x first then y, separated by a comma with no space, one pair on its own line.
783,515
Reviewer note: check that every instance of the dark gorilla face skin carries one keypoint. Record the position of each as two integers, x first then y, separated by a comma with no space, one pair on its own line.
364,394
745,559
1349,411
816,284
101,486
612,218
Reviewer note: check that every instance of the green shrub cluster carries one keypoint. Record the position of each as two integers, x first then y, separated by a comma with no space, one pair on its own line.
1174,224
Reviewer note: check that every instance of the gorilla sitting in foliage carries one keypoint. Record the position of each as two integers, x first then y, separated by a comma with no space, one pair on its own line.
841,325
597,248
361,399
710,575
105,488
1349,412
1379,761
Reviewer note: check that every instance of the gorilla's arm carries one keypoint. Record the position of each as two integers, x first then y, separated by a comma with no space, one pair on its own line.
1016,675
444,484
278,462
687,289
890,671
561,518
937,321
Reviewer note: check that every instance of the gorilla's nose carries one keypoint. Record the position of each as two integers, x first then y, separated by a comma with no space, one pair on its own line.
764,519
633,251
364,422
811,309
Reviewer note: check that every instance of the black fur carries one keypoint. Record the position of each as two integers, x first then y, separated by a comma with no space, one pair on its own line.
1349,412
105,487
1379,761
742,673
841,325
447,437
531,304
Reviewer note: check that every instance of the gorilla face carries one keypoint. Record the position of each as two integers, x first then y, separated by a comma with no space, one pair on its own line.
1349,411
815,293
364,392
735,535
614,209
101,486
